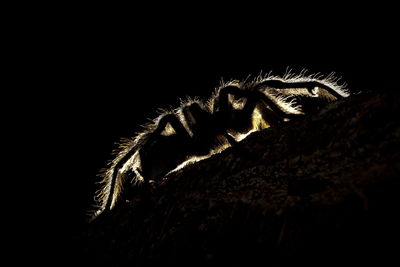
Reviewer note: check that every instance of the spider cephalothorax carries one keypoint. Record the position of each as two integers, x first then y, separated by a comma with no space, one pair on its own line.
198,129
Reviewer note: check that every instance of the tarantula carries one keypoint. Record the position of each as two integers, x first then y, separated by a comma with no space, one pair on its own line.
198,129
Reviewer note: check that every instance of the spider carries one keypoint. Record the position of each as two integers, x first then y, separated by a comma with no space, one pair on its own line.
198,128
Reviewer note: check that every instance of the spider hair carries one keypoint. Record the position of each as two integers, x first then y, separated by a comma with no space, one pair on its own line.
200,128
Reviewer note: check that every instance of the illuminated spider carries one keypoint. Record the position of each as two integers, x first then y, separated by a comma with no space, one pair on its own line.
198,129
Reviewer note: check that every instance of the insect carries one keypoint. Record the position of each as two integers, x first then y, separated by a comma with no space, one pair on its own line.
197,129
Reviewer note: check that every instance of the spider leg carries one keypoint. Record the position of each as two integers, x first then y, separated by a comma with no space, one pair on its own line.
237,120
166,148
270,117
177,127
253,98
242,122
196,118
223,100
175,124
310,85
116,169
275,107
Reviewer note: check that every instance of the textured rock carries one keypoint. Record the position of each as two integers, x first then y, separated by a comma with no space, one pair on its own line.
321,190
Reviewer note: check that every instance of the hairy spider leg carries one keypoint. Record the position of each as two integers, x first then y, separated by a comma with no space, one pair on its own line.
254,99
174,122
173,148
196,117
178,128
271,118
116,169
310,85
205,129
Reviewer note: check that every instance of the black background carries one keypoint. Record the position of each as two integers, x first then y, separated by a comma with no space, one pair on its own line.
98,75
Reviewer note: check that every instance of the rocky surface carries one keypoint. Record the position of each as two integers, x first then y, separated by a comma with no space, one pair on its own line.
321,190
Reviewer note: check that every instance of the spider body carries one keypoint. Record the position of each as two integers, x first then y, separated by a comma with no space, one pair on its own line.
198,129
